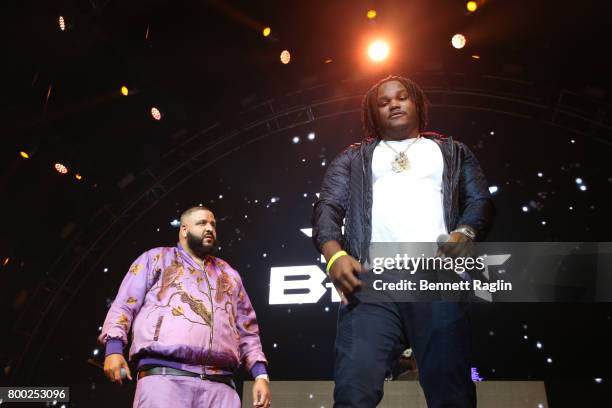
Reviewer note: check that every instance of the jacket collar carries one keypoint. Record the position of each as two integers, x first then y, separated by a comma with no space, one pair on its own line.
437,137
189,259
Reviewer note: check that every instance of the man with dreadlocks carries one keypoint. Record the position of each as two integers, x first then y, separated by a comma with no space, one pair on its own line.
399,184
192,325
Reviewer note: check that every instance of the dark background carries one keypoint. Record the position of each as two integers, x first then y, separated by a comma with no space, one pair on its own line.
537,101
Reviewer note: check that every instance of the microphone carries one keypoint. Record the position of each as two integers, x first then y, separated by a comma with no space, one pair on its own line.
443,239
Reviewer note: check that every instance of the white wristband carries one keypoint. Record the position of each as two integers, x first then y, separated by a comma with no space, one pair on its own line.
264,376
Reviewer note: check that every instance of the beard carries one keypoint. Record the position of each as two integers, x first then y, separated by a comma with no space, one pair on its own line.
196,244
396,131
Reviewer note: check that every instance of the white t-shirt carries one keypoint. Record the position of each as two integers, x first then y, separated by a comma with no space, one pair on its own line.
407,206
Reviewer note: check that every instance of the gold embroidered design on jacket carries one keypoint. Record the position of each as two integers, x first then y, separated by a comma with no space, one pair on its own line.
136,268
224,286
177,311
123,321
169,276
160,319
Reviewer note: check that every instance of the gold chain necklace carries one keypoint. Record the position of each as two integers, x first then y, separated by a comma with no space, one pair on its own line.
400,162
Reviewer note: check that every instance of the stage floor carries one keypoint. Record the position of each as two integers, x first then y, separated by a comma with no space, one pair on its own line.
402,394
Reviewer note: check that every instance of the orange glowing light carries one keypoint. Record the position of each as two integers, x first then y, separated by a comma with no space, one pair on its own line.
476,56
285,57
23,154
78,177
471,6
156,113
60,168
124,90
62,23
378,51
458,41
371,14
266,31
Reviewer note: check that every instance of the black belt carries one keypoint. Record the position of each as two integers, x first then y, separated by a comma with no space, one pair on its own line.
225,379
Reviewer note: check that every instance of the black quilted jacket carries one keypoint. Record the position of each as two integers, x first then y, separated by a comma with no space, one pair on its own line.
346,195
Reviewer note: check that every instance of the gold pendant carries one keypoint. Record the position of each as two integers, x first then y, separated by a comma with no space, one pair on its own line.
400,163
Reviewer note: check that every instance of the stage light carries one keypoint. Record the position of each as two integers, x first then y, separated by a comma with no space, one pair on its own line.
156,113
78,176
458,41
475,56
493,189
311,136
295,140
378,51
124,90
471,6
266,31
578,180
525,208
24,155
62,23
175,223
371,14
60,168
285,57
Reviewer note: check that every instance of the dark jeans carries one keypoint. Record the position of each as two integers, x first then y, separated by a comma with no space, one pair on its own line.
370,337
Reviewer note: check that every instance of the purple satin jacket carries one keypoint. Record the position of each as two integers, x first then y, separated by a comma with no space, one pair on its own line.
197,315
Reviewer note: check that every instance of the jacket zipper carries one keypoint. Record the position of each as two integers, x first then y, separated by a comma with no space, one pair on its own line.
363,201
451,180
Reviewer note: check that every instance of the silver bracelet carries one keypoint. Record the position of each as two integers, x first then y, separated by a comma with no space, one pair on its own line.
467,231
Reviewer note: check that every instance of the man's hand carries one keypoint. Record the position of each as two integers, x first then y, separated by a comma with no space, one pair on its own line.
113,363
261,393
343,275
457,245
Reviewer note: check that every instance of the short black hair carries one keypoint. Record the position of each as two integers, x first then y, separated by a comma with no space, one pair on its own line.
191,210
369,105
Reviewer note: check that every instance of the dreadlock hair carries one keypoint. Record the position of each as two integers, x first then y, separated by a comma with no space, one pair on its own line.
369,105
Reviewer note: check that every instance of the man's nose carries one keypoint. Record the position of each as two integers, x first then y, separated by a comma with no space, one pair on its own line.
394,104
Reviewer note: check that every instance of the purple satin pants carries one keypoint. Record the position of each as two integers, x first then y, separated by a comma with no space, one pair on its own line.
163,391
